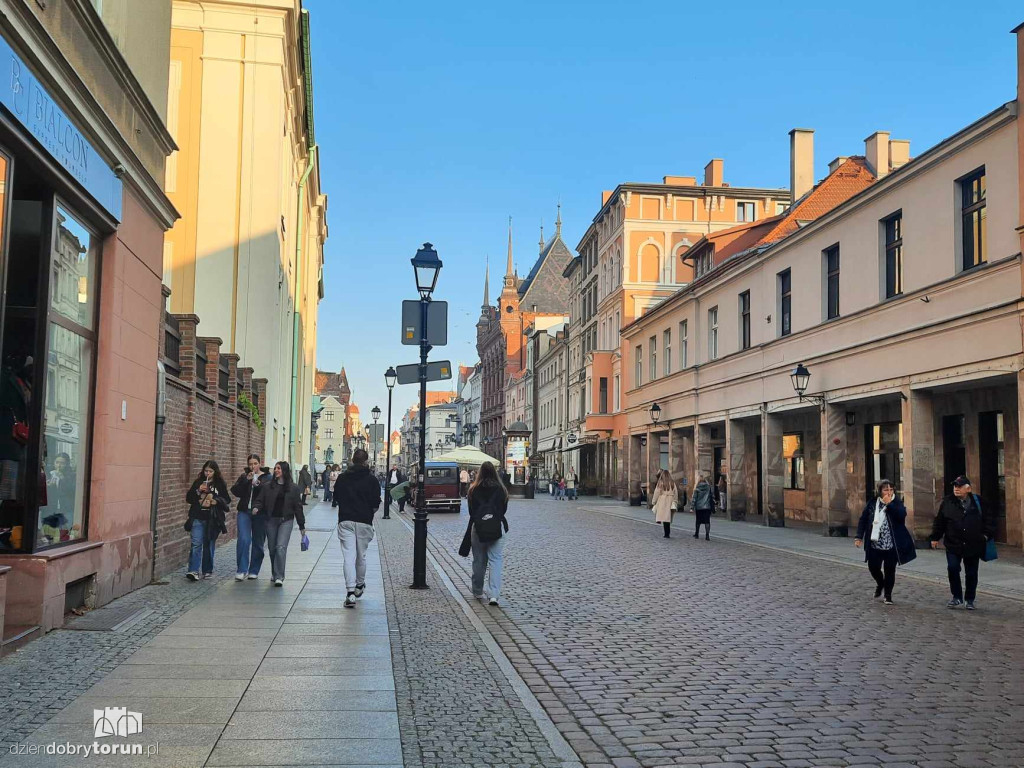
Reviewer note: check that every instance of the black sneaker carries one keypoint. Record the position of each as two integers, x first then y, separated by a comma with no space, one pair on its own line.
956,602
878,592
350,600
888,601
358,591
970,605
192,576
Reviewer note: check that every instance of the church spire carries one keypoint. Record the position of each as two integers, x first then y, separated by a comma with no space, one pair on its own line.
558,221
510,278
541,243
487,278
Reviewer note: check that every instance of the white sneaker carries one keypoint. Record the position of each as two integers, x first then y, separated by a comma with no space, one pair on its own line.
360,588
192,576
239,577
350,600
278,582
493,601
479,597
252,576
207,575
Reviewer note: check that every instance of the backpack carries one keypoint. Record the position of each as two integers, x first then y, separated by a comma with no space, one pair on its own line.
488,521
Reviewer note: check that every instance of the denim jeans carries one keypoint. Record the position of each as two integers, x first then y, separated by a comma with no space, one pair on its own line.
201,551
259,540
279,531
953,561
243,544
572,493
484,554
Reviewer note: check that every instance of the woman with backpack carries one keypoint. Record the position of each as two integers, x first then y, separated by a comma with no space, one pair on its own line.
488,505
208,503
665,501
280,505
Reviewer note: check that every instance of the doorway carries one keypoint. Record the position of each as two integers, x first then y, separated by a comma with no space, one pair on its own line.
760,468
954,450
992,471
884,459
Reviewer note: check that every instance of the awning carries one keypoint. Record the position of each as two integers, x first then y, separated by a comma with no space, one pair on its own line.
552,445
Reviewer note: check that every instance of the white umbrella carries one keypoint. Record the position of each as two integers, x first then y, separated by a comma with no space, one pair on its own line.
467,455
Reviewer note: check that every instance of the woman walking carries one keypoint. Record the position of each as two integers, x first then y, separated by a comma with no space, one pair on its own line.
702,503
665,501
280,505
305,482
488,505
208,502
357,497
331,473
251,532
889,543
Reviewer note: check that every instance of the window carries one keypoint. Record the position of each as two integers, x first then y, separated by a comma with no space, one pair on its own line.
682,345
781,207
602,395
745,320
894,255
616,392
653,353
329,433
972,213
702,263
785,304
746,211
638,365
328,415
793,457
831,259
666,343
713,333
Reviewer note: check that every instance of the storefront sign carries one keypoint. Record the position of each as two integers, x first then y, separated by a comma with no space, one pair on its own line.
26,98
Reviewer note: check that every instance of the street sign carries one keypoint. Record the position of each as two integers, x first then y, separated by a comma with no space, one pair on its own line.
439,370
437,323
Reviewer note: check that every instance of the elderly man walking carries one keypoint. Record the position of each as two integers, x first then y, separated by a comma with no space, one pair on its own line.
965,529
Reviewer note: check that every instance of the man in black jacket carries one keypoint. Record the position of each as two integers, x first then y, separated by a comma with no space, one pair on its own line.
357,495
964,527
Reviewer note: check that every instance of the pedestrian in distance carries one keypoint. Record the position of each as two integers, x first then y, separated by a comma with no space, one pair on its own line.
395,477
560,494
280,505
572,480
723,486
488,506
966,530
463,482
702,503
208,504
251,532
882,531
332,476
357,494
305,482
665,501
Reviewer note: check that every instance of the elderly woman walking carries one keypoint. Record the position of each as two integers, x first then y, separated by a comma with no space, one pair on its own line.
888,542
665,501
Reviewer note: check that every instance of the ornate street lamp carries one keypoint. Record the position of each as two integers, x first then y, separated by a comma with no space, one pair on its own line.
390,378
426,266
655,413
801,377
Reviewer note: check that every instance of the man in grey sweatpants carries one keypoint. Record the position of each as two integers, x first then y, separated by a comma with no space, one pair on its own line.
357,496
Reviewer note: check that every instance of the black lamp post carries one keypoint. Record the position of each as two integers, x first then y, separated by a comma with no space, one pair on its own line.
390,377
801,377
655,413
426,266
376,416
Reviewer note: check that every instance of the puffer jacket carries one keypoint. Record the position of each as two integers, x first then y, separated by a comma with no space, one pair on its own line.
963,531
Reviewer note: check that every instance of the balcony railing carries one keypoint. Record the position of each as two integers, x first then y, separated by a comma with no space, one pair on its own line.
201,367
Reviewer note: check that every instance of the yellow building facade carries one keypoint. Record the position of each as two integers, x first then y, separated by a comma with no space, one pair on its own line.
246,256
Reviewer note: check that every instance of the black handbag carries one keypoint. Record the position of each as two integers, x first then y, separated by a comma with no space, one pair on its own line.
467,541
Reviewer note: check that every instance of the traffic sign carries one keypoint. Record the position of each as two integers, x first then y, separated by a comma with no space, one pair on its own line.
437,323
439,370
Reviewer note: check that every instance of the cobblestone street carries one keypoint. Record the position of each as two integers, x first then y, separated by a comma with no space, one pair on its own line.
647,651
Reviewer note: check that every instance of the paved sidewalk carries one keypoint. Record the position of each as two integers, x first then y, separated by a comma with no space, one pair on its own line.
1003,577
255,675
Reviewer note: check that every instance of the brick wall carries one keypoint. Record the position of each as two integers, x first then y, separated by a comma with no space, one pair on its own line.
199,426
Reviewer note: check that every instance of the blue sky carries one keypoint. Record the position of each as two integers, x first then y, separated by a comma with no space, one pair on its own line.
437,121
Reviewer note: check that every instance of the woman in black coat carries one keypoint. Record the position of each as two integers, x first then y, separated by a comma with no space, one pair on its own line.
882,531
280,505
208,504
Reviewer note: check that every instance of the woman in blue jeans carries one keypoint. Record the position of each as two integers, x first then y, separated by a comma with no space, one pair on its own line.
208,502
488,504
251,532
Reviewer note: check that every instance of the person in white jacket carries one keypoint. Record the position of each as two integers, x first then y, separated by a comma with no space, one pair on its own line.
665,501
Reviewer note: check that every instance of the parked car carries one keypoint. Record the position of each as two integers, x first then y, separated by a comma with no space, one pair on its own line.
441,487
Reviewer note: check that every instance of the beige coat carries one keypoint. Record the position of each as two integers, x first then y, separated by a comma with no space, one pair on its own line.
662,503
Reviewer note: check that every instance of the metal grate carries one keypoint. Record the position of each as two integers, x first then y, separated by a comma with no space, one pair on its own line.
109,619
200,368
223,379
172,345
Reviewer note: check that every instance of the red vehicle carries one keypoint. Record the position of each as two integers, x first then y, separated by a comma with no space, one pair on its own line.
441,487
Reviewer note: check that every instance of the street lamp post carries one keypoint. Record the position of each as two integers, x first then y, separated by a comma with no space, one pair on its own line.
426,266
376,416
390,377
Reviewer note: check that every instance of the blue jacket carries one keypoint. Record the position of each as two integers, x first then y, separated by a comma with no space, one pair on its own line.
896,514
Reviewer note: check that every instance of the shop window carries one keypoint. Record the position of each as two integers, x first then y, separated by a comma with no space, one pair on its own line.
793,456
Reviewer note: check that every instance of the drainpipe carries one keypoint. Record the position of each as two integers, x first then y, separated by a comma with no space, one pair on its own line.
296,315
158,442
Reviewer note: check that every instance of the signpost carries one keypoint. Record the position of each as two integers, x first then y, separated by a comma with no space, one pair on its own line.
439,370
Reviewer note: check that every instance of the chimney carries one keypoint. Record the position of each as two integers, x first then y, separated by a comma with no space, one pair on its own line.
834,165
713,173
605,195
801,162
876,152
899,153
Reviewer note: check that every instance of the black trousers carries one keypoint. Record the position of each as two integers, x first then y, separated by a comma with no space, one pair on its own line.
953,561
882,564
668,529
703,518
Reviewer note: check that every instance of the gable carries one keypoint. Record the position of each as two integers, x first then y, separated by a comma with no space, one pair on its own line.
545,286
